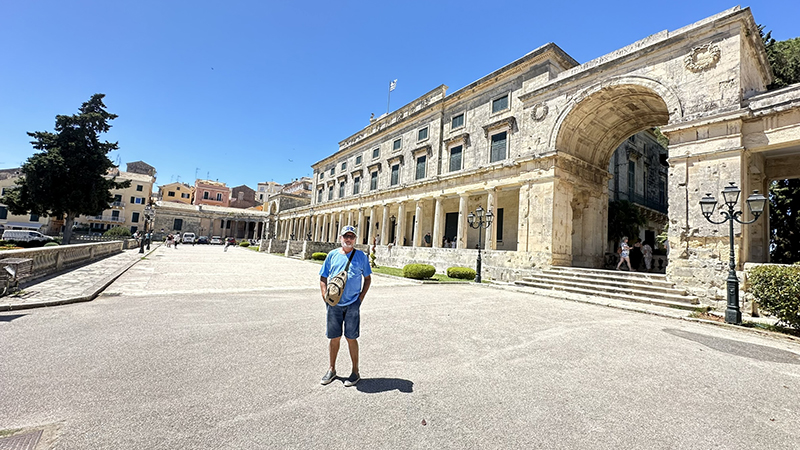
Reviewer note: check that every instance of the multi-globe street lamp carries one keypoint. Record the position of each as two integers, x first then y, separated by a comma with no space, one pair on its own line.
149,213
480,221
755,203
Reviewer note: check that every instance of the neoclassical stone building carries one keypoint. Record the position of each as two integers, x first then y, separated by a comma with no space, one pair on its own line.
533,142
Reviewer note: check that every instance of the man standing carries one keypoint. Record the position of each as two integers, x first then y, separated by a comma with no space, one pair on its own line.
345,316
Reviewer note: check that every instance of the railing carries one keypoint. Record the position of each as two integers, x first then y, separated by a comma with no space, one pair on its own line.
48,260
642,200
117,204
107,219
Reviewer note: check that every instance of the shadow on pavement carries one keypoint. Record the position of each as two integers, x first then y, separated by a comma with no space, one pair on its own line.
10,317
745,349
375,385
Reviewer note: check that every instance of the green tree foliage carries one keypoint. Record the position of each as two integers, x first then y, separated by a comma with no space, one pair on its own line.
66,177
784,221
118,232
624,219
784,58
777,289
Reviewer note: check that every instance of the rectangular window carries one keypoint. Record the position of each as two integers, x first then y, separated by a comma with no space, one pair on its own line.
184,195
422,134
177,224
219,196
397,144
115,215
376,153
330,193
498,223
356,185
135,217
133,200
118,198
344,166
319,196
395,174
139,187
358,159
373,181
341,190
321,175
499,104
458,121
498,152
140,200
333,170
455,158
421,167
3,212
170,194
205,195
34,217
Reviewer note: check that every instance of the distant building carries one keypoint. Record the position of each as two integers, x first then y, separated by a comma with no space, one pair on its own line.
243,197
141,167
176,192
127,208
300,186
8,221
215,193
267,189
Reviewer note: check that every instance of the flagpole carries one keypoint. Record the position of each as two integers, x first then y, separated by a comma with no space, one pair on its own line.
392,85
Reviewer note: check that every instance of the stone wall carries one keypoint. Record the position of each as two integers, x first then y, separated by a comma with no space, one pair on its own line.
48,260
497,265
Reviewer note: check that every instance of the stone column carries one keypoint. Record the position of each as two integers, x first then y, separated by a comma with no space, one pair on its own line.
417,224
350,217
463,226
371,231
322,234
341,224
361,224
401,223
384,225
438,224
491,236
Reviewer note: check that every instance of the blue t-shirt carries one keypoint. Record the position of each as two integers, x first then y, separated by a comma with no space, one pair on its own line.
336,261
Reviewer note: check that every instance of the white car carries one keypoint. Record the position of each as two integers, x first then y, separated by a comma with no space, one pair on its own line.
24,236
188,238
216,240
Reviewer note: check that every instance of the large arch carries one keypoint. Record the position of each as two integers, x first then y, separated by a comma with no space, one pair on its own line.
586,134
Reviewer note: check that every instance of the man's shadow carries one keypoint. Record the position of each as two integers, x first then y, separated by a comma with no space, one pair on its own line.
375,385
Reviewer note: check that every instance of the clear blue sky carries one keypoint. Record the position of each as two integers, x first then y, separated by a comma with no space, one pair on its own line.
252,91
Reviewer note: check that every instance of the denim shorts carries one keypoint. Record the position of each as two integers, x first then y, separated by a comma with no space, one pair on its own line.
349,316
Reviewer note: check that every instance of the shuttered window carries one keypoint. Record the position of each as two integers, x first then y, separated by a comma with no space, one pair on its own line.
498,152
455,158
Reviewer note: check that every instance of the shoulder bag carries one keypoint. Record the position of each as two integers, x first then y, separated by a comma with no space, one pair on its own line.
336,283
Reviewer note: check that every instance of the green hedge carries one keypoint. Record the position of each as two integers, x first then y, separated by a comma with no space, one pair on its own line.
462,273
23,244
319,256
418,271
51,244
777,289
244,244
118,232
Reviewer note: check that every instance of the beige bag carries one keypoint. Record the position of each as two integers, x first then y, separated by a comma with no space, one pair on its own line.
337,282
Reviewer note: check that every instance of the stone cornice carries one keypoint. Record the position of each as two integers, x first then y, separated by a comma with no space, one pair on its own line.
424,149
398,158
508,122
356,172
374,166
463,137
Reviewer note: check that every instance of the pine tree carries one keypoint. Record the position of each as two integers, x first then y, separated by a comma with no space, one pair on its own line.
66,178
784,221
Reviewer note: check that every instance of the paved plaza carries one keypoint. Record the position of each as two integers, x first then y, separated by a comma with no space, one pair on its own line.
200,348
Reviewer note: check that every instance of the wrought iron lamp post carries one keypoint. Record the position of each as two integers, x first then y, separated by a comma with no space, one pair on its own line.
148,213
480,221
755,203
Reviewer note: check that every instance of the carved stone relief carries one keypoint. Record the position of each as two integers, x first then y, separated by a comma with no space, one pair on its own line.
702,57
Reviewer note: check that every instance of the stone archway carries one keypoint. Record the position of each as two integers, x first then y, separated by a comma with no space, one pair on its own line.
586,135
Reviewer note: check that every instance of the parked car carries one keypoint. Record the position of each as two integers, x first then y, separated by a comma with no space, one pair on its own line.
188,238
216,240
230,241
202,240
24,236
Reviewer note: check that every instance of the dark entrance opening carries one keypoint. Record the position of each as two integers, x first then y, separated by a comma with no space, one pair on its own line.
451,226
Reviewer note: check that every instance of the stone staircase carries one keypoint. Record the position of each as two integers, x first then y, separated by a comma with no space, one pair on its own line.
640,287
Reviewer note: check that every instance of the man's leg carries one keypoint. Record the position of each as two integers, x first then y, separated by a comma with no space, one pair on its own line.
352,345
333,351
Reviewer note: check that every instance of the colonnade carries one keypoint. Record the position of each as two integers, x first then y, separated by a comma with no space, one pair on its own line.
255,231
396,222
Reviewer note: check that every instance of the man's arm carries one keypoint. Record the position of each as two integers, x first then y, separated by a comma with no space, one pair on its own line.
323,286
365,288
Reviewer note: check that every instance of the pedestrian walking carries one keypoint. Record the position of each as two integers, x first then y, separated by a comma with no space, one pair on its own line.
345,316
624,254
